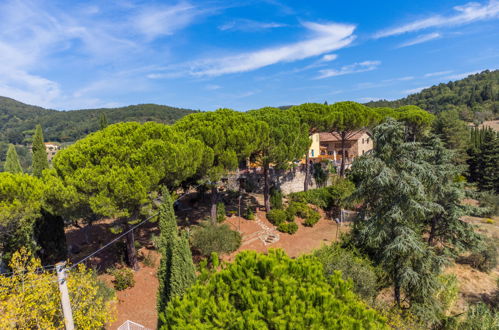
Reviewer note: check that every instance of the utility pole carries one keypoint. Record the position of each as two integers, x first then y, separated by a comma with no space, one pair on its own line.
63,288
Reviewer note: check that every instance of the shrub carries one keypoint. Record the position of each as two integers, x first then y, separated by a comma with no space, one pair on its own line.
327,197
490,202
352,266
220,212
209,238
485,259
123,278
272,291
296,209
480,317
148,259
275,199
288,227
250,215
276,217
312,218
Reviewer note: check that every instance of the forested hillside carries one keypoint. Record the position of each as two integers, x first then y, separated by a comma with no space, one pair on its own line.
18,120
475,97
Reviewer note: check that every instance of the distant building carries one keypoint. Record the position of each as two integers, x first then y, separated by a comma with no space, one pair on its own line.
328,146
51,148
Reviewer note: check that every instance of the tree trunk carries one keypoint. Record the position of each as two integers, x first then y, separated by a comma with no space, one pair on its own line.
266,195
214,196
396,293
433,229
307,174
131,253
342,168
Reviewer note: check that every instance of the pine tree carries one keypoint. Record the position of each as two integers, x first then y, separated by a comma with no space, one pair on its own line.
488,163
12,163
177,271
40,161
392,186
444,226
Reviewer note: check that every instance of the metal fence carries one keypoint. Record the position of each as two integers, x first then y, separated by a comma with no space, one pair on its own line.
129,325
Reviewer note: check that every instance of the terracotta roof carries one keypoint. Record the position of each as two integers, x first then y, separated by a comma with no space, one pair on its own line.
330,137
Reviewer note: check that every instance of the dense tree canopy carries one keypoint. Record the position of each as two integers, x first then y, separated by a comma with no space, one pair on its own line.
271,291
478,93
21,201
392,186
288,140
345,119
113,170
18,120
312,115
231,136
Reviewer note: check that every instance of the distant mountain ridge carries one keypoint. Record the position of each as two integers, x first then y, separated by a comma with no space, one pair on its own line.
17,120
477,93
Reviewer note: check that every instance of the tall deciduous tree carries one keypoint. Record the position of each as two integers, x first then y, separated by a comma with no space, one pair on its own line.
312,115
396,203
30,298
111,172
40,161
232,136
287,141
177,271
12,163
345,119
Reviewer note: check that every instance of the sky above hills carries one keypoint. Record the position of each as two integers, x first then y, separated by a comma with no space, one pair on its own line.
238,54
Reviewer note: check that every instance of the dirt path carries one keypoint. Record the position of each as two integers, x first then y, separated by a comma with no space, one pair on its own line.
305,240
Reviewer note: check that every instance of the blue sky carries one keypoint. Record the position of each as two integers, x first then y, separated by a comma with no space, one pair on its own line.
238,54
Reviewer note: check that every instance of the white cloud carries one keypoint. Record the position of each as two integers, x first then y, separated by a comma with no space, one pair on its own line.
326,38
249,25
470,12
414,90
420,39
159,21
212,87
461,75
436,74
348,69
329,57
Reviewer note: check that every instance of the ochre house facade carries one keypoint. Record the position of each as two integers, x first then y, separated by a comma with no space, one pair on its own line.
328,146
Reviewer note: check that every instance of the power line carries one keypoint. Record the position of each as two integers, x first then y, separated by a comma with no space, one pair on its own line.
112,241
122,235
48,267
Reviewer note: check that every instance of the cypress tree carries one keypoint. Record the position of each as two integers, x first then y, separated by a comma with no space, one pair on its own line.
488,162
102,120
12,163
40,161
177,271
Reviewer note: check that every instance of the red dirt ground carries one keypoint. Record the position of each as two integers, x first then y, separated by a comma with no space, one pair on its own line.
138,304
303,241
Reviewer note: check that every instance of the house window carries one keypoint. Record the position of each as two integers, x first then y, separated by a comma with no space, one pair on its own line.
367,140
362,151
312,152
362,140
